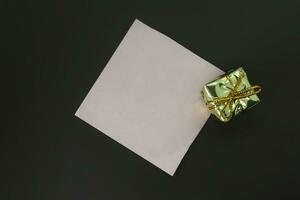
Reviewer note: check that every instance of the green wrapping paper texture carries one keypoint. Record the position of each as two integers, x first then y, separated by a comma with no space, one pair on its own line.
222,87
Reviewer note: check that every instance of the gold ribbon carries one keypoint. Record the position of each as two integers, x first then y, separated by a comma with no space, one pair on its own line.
234,94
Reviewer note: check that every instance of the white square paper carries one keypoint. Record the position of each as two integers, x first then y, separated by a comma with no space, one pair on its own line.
148,97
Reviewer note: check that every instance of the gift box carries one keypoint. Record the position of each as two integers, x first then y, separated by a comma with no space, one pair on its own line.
230,94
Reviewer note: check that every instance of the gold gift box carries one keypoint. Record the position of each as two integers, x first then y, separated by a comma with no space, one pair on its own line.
230,94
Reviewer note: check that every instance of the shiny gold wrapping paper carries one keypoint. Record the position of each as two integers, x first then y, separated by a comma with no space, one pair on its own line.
230,94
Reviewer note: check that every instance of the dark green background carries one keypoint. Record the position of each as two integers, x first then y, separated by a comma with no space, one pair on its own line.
53,51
